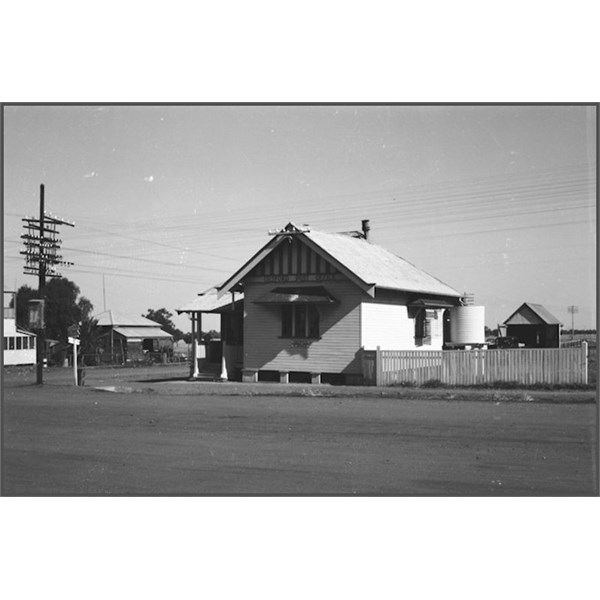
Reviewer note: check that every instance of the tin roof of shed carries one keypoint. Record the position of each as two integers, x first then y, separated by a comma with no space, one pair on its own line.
368,264
142,332
523,315
112,318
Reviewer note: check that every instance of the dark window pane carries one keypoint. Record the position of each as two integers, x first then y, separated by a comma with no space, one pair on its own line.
300,321
11,343
286,320
19,343
313,321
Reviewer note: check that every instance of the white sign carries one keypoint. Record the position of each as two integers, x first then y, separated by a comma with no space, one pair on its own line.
74,341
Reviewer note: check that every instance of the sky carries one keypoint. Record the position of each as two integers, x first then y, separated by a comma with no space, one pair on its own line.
497,201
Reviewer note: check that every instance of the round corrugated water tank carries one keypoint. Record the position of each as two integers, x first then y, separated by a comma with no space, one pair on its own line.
467,325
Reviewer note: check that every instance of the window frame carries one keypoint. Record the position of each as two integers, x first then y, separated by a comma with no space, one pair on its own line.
304,316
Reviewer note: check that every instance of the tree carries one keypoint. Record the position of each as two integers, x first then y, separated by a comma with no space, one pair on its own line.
64,307
210,335
491,332
163,316
88,336
24,295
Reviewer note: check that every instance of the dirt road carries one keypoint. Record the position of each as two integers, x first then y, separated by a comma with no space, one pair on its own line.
63,440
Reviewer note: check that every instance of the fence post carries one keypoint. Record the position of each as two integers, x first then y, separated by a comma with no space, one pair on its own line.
378,367
584,360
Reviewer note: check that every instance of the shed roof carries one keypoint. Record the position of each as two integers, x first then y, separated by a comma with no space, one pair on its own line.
532,314
112,318
369,264
142,332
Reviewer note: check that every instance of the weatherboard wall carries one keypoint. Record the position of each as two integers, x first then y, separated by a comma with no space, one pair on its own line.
389,327
336,351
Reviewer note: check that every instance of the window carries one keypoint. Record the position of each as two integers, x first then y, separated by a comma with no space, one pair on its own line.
25,343
423,320
11,343
19,343
299,321
5,346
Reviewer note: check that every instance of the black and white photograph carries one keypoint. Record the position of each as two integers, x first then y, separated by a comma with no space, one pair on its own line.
299,300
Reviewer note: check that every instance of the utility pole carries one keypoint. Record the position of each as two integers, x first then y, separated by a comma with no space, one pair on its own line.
573,310
41,258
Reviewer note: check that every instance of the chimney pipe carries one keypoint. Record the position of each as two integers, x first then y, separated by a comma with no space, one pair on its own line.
366,228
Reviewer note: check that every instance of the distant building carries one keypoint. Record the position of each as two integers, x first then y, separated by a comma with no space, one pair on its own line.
534,326
19,345
128,338
312,300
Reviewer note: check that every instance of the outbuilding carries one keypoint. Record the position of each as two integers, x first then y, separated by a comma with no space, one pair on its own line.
314,300
534,326
125,338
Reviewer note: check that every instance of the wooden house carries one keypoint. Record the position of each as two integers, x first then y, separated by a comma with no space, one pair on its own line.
533,326
19,345
313,300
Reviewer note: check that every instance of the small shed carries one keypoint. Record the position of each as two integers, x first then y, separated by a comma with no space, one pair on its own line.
534,326
129,338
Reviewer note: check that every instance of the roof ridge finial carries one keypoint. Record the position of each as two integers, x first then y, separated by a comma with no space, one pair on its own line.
290,229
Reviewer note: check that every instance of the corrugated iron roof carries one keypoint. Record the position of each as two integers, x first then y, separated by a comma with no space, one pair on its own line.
519,317
378,266
112,318
370,264
209,302
142,332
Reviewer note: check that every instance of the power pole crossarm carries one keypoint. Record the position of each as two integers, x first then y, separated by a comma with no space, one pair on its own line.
41,259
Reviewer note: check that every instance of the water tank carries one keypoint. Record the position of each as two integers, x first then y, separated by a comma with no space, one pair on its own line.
467,325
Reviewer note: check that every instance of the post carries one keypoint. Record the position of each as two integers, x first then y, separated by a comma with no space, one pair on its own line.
584,360
41,341
378,367
224,375
75,361
194,369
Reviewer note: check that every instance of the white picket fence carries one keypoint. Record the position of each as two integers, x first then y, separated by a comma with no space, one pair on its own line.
527,366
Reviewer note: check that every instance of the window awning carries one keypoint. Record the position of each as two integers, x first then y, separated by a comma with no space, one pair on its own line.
429,303
297,295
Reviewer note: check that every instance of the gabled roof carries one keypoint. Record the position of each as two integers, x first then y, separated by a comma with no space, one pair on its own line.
531,314
378,266
112,318
367,264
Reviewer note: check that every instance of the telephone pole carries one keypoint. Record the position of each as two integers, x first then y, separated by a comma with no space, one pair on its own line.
573,310
41,259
